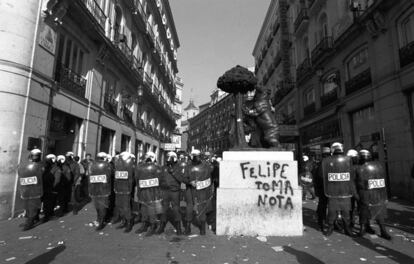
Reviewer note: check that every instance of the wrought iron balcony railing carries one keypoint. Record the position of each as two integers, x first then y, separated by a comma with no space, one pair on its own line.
70,80
137,66
407,54
96,11
284,88
148,79
139,9
127,114
303,69
110,105
329,98
302,17
309,109
358,82
324,46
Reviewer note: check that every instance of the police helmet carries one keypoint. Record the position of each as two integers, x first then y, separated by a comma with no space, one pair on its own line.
61,158
365,154
352,153
305,158
150,155
125,155
195,152
337,147
51,157
35,151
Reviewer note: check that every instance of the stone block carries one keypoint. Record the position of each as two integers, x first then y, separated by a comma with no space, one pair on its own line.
259,195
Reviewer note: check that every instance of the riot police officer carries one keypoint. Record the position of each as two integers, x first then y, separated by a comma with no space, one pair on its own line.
319,189
65,186
353,154
123,184
185,195
339,187
372,192
51,180
201,189
147,177
172,177
31,187
75,181
100,187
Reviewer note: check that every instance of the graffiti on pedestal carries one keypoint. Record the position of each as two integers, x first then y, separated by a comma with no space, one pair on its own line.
272,178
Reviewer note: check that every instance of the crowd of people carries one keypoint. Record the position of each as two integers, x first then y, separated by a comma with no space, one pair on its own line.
123,190
349,186
183,191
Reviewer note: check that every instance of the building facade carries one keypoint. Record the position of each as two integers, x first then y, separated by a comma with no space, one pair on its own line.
355,82
210,129
273,53
84,76
178,110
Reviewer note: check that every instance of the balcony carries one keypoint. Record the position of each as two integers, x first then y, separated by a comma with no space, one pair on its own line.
407,54
284,88
329,98
70,80
309,109
137,66
323,47
358,82
302,21
303,70
120,42
150,33
139,9
110,105
315,6
148,80
127,115
96,12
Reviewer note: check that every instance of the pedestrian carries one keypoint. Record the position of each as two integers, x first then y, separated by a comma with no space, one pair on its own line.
123,183
172,177
31,187
100,187
147,177
65,186
372,191
201,189
51,180
339,186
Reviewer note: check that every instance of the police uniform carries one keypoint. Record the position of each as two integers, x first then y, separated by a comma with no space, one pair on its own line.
51,180
65,186
339,187
147,177
372,193
201,190
100,188
123,184
319,190
31,187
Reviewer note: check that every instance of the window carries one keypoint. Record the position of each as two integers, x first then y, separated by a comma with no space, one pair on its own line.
407,30
70,55
309,96
358,63
330,83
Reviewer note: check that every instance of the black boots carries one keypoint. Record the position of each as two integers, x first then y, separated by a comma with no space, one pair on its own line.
30,222
384,234
330,229
362,230
151,230
129,225
203,228
100,226
187,230
161,228
143,228
178,228
123,224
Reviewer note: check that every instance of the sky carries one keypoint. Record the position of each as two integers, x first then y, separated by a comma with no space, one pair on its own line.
215,35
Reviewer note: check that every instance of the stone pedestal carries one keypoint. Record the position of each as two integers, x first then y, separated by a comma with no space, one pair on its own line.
259,194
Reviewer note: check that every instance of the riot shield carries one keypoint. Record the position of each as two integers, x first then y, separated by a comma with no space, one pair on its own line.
371,183
337,176
31,180
100,179
124,176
